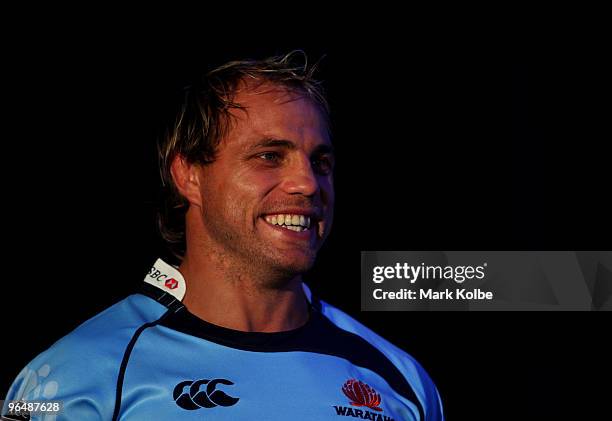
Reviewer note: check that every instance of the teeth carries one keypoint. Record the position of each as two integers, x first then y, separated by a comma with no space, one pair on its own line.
289,221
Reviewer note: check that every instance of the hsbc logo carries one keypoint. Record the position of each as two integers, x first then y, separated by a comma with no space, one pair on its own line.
168,278
159,276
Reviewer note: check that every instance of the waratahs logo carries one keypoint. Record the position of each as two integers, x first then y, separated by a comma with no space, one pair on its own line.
361,394
202,394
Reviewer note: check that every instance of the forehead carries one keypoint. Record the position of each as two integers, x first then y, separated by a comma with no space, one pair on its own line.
277,112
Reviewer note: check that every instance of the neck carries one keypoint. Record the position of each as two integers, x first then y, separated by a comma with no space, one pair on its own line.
222,291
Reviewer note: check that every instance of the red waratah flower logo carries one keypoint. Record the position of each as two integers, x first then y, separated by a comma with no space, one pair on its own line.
361,394
171,283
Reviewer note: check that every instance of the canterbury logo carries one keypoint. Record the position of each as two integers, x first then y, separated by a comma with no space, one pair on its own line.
188,394
361,394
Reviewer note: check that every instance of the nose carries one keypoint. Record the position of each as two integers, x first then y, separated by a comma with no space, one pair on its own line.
300,178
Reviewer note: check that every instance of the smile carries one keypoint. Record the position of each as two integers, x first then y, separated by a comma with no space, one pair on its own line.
297,223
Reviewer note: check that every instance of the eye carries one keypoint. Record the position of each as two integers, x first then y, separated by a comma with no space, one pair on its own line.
270,156
323,165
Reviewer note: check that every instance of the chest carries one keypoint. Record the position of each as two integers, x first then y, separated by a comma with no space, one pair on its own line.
205,380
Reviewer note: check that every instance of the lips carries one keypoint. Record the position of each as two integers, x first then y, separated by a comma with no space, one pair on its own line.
312,212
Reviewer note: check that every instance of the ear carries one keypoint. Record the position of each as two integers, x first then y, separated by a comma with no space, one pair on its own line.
186,179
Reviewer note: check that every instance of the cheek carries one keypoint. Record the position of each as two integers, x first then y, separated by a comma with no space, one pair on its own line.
327,190
257,184
246,191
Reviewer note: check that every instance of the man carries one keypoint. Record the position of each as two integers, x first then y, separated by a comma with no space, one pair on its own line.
233,333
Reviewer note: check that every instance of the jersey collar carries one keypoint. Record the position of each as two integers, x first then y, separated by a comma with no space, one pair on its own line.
168,278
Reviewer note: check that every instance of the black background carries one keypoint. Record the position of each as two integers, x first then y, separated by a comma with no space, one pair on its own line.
445,142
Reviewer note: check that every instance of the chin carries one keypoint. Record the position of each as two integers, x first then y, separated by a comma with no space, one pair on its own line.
296,265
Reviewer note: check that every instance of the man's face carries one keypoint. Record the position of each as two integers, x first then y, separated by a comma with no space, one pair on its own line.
268,198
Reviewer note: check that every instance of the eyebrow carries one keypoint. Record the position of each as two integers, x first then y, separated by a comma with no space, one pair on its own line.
287,144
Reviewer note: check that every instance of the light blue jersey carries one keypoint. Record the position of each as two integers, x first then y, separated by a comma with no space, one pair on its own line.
148,358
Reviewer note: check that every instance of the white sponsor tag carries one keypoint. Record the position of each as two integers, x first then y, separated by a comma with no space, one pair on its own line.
167,278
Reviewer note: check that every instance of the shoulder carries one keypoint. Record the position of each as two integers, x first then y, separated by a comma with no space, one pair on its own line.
401,359
81,369
409,367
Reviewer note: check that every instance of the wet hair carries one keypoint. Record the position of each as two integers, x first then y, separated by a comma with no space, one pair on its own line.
204,119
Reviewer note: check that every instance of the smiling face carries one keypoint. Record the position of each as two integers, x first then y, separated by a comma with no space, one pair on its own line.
268,198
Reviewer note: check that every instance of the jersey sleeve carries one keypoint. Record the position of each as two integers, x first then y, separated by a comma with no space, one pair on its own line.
431,395
77,378
81,370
